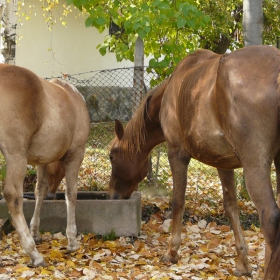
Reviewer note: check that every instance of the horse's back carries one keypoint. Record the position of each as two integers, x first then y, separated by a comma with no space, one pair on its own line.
38,119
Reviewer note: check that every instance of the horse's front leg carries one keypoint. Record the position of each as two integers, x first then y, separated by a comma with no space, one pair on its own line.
179,165
40,193
13,193
231,208
71,174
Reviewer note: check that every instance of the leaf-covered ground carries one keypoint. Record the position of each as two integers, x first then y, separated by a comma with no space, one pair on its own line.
207,251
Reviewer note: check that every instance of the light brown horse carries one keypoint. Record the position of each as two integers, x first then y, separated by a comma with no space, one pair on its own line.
222,110
40,122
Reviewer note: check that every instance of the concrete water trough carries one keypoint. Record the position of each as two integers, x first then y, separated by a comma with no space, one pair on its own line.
95,213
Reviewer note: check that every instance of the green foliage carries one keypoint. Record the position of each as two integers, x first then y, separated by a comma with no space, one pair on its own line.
172,28
110,236
166,27
271,10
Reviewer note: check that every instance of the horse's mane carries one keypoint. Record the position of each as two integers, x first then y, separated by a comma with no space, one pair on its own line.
134,137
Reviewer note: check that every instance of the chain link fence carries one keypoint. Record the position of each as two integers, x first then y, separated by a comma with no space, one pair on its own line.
113,94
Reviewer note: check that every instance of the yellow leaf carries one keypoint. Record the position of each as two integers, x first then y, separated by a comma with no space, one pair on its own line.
22,269
52,268
141,262
79,256
213,267
46,272
55,255
70,264
254,228
204,248
55,243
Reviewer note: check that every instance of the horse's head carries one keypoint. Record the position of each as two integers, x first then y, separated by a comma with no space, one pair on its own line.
129,167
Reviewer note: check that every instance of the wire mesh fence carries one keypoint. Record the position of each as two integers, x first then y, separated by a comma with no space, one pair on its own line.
115,94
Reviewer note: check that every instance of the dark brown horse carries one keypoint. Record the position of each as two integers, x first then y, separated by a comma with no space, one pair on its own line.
55,173
41,122
222,110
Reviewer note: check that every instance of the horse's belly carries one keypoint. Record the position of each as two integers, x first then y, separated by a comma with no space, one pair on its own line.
221,161
49,146
213,149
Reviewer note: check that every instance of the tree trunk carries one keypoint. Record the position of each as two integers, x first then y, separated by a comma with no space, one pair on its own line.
252,22
139,86
138,79
8,32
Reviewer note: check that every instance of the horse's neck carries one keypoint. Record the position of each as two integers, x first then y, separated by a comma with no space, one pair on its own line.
154,138
154,133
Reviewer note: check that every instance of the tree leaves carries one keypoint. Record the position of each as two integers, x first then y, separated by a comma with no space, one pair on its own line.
158,23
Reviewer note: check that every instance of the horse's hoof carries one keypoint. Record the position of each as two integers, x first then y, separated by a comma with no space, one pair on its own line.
39,262
36,236
73,247
172,256
38,240
247,272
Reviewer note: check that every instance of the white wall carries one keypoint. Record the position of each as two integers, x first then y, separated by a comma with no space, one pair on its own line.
73,48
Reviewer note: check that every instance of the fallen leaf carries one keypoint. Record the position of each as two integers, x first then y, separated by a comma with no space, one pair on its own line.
202,224
90,273
55,255
224,228
194,229
166,226
59,236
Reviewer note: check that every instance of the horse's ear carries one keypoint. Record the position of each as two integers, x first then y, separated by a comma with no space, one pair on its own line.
119,129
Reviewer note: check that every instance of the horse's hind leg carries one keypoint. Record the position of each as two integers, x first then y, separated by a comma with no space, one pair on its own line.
13,193
40,193
258,182
231,208
72,165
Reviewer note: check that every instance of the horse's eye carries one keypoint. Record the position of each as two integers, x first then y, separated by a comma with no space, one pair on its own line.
110,157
